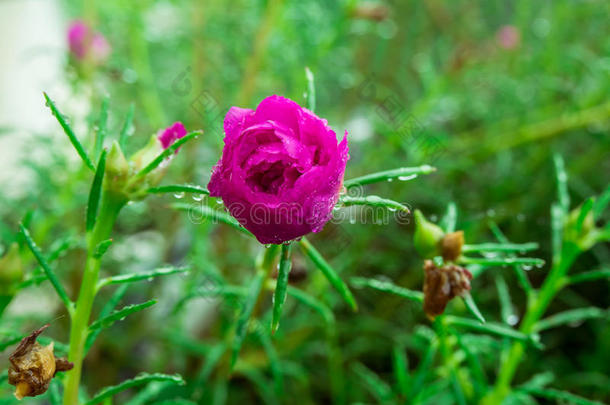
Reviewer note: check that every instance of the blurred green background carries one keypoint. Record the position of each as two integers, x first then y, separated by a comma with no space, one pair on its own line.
438,82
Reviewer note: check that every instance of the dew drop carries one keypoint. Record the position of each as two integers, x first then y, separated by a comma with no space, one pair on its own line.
512,319
406,178
179,194
527,267
197,197
390,180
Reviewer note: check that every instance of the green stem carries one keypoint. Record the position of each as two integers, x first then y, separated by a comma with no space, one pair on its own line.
552,284
109,210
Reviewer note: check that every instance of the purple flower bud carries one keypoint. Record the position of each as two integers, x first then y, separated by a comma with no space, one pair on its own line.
84,43
171,134
508,37
281,170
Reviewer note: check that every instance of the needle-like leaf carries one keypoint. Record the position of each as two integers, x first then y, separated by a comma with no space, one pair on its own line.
95,192
167,153
141,379
402,173
69,132
330,273
145,275
179,188
119,315
279,295
46,268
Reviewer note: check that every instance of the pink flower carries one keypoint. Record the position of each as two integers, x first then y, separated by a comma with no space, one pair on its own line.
84,43
508,37
171,134
281,169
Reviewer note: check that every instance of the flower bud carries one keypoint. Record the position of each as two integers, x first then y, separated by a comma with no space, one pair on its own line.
451,245
442,284
33,366
121,174
585,236
428,236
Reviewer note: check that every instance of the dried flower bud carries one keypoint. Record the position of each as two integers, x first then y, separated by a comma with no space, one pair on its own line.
427,236
451,245
441,284
33,366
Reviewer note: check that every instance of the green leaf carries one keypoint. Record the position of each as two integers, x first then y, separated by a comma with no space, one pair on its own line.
68,131
54,396
119,315
472,307
585,209
141,379
500,247
601,203
589,276
387,286
101,130
313,303
212,291
311,90
480,382
106,310
402,173
506,305
146,275
96,192
167,153
330,274
519,272
400,365
246,312
571,316
179,188
102,248
557,217
562,184
373,201
46,268
490,328
559,396
504,261
274,361
279,295
450,219
424,367
215,216
127,128
212,359
375,385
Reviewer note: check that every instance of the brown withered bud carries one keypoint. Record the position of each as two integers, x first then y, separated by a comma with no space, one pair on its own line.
371,11
451,245
441,284
33,366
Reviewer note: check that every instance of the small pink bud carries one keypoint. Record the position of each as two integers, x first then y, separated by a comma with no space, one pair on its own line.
84,43
508,37
171,134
